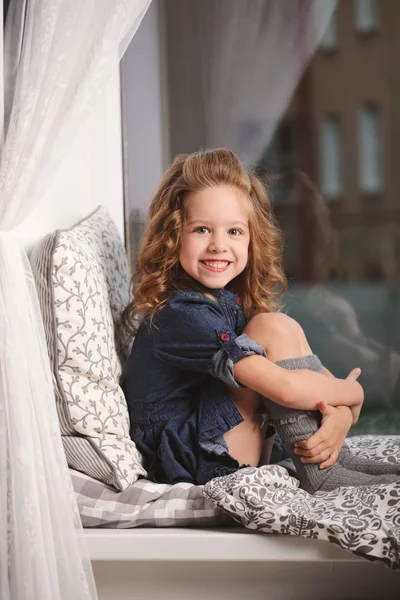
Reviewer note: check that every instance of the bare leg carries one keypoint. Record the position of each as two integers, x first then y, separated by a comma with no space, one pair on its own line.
246,440
285,343
286,339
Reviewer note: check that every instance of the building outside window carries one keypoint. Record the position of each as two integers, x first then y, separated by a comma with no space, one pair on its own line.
280,161
365,15
331,172
369,149
329,40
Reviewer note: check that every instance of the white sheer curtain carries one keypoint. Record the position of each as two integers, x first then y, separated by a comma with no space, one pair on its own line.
55,57
253,53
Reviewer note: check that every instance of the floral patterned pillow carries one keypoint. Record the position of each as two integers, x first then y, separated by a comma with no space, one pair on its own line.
83,284
363,520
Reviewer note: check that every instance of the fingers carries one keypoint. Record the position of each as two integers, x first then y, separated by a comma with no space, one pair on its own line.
354,374
324,408
309,444
326,457
331,460
319,458
319,437
315,451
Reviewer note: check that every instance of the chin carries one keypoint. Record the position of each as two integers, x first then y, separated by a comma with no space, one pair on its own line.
212,282
215,284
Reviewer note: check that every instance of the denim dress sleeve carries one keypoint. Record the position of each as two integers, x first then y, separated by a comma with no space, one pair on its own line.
195,334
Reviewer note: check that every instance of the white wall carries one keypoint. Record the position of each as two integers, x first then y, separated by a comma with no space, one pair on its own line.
91,173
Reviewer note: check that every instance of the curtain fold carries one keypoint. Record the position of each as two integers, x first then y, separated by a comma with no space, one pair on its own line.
252,54
55,57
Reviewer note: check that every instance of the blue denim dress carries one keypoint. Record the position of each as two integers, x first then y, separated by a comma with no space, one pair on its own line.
178,402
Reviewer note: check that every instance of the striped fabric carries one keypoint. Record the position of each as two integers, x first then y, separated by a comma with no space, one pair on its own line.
144,504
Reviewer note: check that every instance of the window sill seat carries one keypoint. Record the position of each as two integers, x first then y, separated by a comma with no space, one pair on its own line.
194,564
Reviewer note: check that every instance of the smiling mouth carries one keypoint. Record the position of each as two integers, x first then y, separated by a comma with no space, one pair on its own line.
216,265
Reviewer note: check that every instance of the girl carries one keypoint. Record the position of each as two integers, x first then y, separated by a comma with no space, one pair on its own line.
212,352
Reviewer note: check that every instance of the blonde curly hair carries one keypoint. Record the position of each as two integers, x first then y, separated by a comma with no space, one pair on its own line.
158,270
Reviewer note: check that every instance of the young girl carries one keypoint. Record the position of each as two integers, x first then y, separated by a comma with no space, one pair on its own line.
212,354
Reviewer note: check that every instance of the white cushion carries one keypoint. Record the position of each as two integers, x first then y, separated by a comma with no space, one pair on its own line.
83,284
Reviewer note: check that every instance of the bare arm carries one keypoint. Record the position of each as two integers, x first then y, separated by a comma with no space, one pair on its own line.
302,389
355,409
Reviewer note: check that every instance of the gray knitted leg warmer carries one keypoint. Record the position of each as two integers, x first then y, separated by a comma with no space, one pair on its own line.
296,425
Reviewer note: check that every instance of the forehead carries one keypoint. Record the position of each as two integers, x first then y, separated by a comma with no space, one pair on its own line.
217,203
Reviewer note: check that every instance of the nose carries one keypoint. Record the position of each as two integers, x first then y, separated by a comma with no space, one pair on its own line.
217,244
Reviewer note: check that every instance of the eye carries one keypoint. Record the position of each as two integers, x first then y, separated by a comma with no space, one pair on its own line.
201,230
235,231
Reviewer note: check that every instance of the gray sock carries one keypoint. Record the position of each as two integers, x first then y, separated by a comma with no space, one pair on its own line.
366,465
294,425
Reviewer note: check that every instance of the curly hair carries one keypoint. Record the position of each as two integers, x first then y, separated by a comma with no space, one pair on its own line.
158,270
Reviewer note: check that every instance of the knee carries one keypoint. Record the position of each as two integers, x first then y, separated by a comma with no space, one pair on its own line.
265,328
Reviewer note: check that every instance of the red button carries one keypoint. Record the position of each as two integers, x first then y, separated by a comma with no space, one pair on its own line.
239,301
225,337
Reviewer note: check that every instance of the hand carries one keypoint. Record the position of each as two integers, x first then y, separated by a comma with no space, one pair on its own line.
353,375
356,408
324,446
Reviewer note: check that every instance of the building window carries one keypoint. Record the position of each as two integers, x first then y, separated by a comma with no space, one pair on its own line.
329,40
281,161
370,168
365,15
331,176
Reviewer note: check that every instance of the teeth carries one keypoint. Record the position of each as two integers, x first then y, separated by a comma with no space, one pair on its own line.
216,264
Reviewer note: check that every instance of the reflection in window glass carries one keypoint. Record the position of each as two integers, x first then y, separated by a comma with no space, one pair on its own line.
280,160
331,157
365,15
369,149
249,76
329,40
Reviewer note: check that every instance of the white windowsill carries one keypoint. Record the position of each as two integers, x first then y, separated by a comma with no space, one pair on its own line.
208,545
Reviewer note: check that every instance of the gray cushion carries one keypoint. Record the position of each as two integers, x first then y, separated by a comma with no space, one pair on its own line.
144,504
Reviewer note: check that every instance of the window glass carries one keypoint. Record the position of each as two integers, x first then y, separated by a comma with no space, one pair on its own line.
323,129
329,40
366,15
369,149
330,157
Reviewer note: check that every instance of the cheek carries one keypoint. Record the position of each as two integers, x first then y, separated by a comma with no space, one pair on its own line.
192,246
187,249
244,250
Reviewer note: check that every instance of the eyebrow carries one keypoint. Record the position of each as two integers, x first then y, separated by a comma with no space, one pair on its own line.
205,222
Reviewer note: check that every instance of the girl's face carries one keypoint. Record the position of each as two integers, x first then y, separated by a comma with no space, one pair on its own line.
215,236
